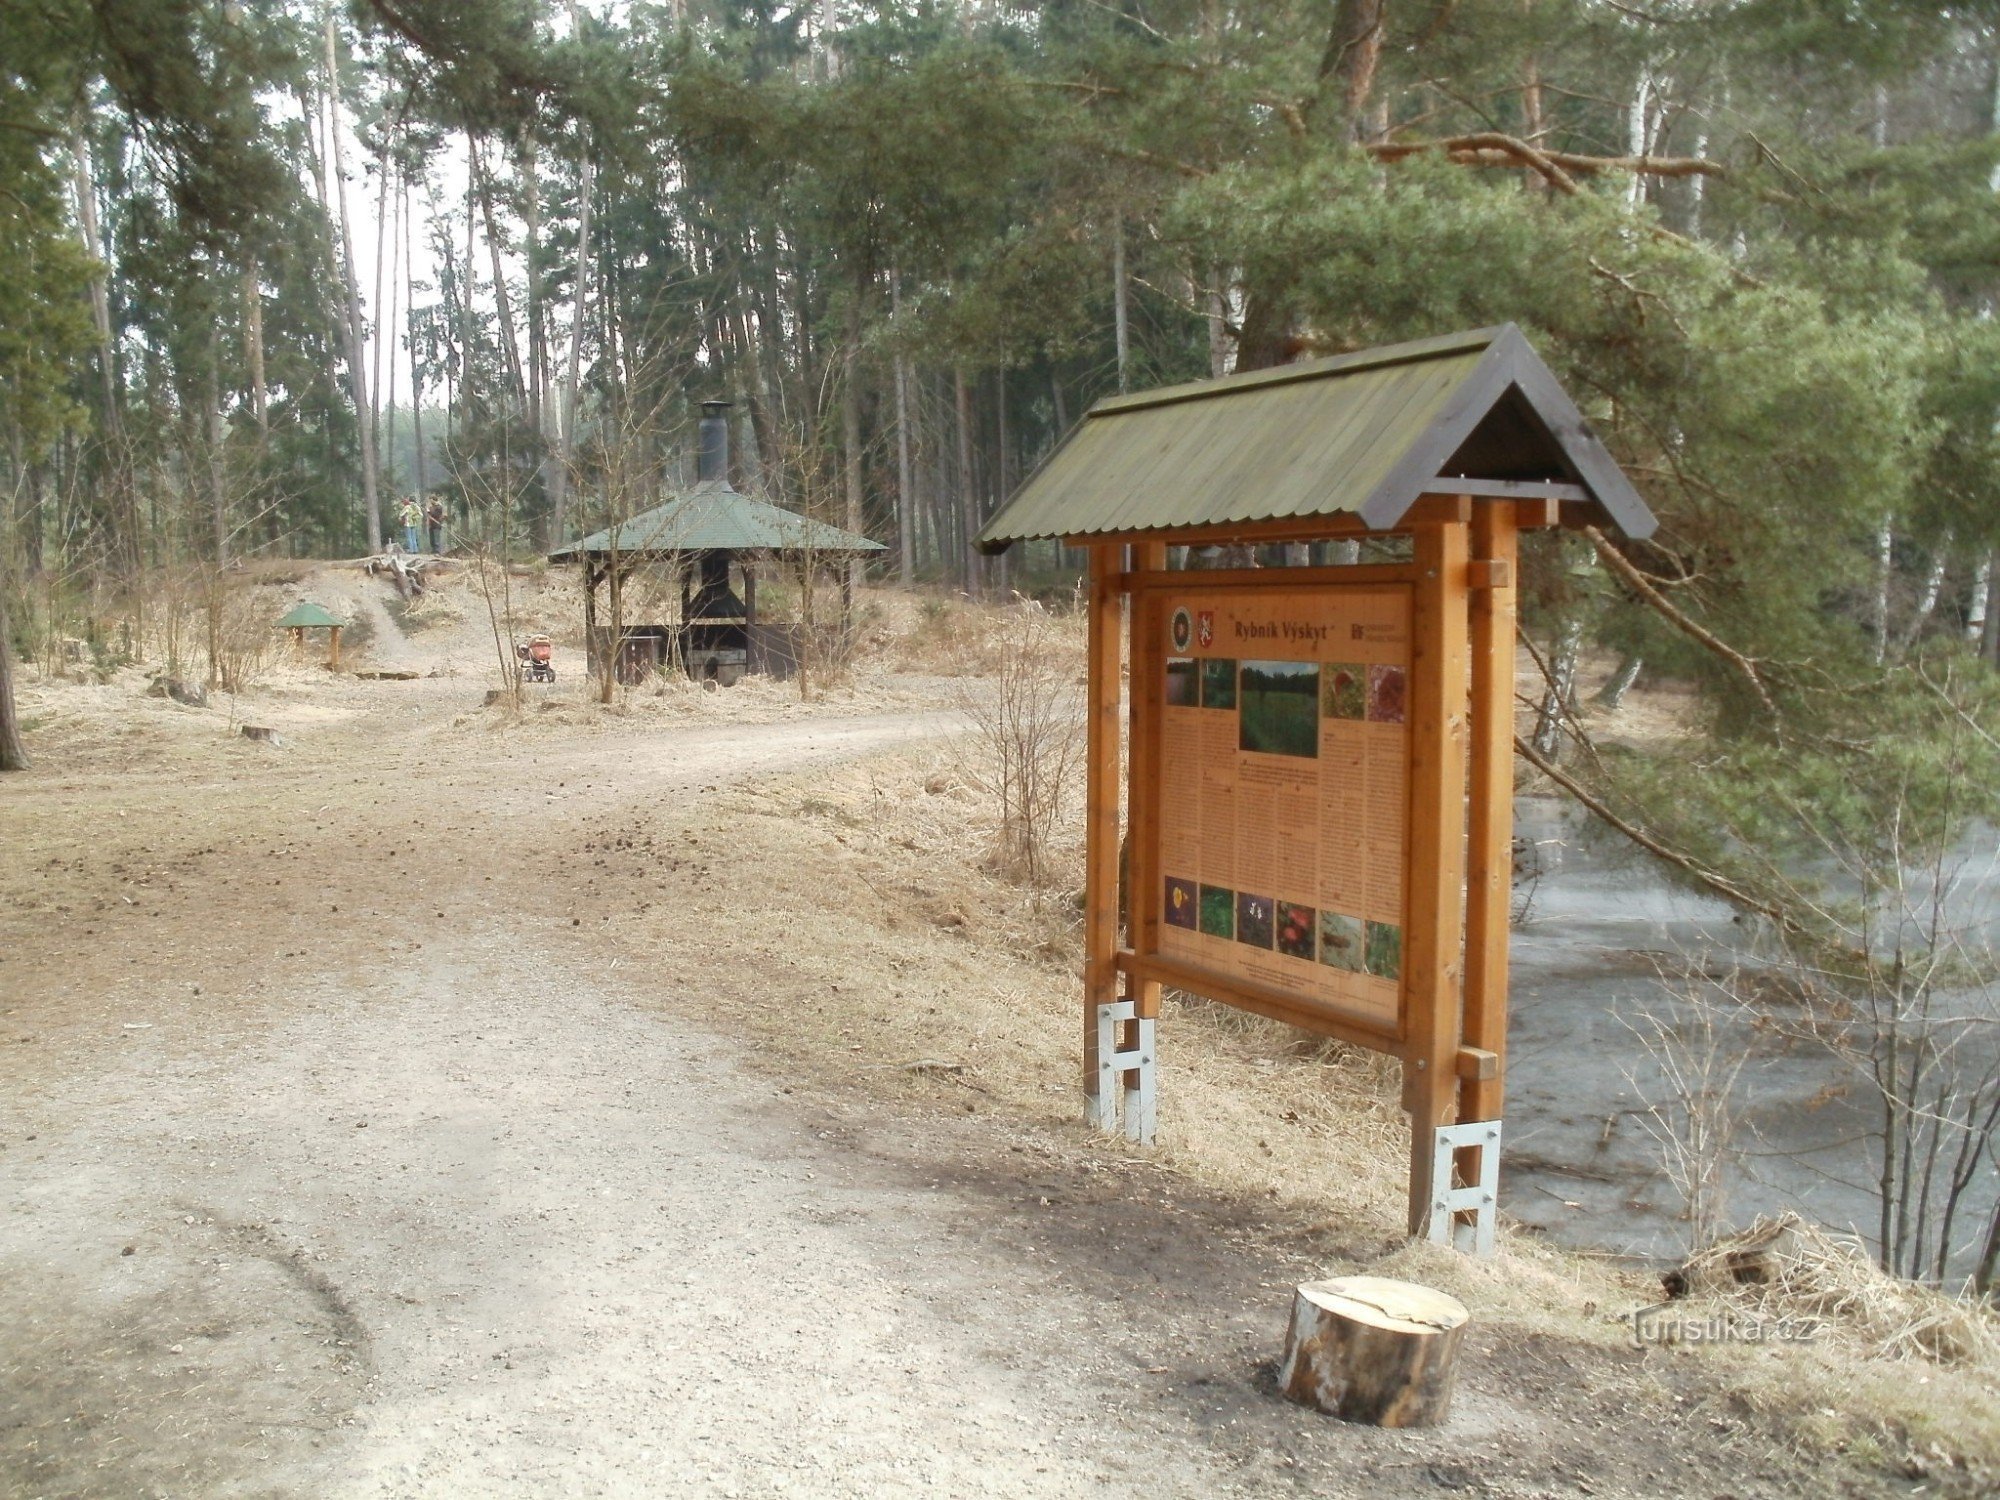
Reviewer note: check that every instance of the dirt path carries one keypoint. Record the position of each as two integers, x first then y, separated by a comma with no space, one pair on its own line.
340,1156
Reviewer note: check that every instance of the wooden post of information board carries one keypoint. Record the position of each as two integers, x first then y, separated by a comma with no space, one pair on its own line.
1148,690
1102,781
1132,1059
1496,553
1433,953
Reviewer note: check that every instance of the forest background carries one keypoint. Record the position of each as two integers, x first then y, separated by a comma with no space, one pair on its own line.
267,268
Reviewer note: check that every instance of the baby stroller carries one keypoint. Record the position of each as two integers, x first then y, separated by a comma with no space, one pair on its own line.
534,654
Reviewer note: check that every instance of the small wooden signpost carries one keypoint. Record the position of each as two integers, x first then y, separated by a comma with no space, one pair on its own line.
1313,765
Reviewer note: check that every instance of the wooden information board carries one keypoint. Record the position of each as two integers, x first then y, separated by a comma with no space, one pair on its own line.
1300,769
1280,817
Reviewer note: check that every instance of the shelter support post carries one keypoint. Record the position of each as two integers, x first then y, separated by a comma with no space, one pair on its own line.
1433,955
333,648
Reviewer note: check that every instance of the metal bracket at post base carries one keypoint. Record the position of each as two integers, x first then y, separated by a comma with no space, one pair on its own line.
1132,1072
1480,1199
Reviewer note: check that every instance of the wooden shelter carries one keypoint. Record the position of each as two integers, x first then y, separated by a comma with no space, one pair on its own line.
304,616
707,534
1317,791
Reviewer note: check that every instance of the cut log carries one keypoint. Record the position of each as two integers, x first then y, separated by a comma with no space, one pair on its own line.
387,674
263,732
1367,1349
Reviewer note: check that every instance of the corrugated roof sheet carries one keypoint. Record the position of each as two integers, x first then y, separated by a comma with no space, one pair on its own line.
1359,434
308,616
714,517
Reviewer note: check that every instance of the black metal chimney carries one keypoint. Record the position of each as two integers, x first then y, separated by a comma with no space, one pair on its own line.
712,455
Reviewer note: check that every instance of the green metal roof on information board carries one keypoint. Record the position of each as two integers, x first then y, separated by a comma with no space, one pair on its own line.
306,615
1359,434
712,517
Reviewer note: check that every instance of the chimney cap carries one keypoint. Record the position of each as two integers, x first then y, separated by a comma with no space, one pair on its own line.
715,408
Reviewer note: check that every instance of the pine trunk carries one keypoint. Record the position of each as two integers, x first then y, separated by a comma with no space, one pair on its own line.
1927,603
1982,597
382,324
218,485
1121,301
1559,699
13,755
538,378
357,369
1612,694
1218,325
253,346
1989,634
503,307
1348,67
906,502
850,431
566,439
968,501
1885,562
124,494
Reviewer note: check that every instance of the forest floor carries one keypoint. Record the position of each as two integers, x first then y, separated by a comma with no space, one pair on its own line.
666,1101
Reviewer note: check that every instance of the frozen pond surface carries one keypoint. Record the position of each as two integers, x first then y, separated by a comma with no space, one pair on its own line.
1579,1163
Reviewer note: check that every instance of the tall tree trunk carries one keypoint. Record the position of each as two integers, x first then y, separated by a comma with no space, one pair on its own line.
1927,603
1121,300
1638,134
357,368
1003,477
1981,601
376,305
1619,683
1885,562
1531,83
253,346
1559,699
218,484
13,754
503,308
850,429
968,500
1989,635
538,378
1218,325
124,493
1348,67
566,439
385,335
906,500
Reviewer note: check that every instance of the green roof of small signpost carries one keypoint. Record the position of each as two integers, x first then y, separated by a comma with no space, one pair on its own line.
712,517
1360,434
307,615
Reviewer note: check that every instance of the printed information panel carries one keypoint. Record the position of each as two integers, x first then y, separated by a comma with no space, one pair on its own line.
1283,814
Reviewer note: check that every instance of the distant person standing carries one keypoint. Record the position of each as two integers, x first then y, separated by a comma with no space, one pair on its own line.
413,517
434,519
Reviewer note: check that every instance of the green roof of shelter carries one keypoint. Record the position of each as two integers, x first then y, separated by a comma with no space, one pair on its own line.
1360,434
712,517
309,616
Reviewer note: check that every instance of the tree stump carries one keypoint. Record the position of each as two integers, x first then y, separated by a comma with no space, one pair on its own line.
1367,1349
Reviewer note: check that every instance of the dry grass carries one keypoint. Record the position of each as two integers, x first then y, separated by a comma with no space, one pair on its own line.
1787,1267
930,956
